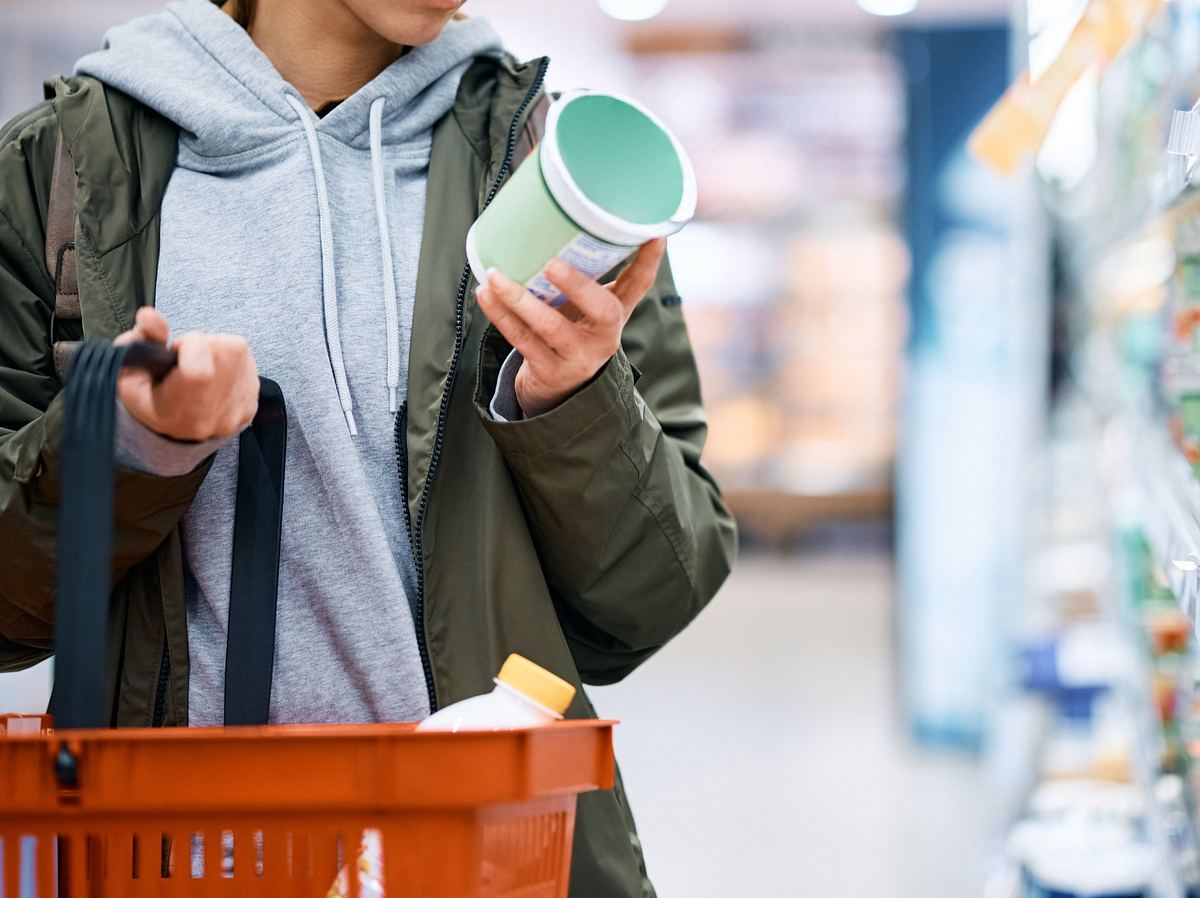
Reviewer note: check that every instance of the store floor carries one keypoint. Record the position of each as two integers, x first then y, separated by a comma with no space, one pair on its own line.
762,751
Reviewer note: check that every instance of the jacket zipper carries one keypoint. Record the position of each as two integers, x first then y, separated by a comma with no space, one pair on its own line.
160,697
402,465
415,533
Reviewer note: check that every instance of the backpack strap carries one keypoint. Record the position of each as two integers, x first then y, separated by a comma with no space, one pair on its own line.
60,253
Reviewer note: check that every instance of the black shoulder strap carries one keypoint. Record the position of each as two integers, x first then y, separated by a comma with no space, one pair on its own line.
253,590
60,252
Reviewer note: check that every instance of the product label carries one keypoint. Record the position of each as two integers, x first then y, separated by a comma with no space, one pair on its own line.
591,256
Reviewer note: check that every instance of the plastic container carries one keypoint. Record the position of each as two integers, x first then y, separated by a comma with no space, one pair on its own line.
526,695
606,177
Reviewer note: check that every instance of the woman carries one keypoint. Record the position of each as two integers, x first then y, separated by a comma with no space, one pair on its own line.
469,472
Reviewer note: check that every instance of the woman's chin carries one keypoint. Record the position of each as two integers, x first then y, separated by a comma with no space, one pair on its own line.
413,24
414,30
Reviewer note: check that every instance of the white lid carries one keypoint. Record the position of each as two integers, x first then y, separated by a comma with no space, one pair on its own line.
593,217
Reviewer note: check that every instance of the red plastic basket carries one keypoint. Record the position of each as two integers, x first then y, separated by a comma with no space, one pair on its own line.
459,814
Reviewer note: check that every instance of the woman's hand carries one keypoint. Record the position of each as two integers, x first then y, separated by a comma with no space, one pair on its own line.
211,392
563,348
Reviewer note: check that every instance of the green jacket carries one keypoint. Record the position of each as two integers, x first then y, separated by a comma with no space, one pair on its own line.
584,538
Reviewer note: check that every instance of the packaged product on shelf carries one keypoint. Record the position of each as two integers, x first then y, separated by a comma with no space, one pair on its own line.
1086,656
1066,858
1189,731
1181,367
1170,792
1084,839
1090,738
1168,629
1189,281
1189,420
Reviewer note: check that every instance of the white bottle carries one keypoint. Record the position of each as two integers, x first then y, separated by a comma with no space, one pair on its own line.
526,695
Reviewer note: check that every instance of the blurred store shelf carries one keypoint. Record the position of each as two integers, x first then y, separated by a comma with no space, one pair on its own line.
773,516
794,274
1173,521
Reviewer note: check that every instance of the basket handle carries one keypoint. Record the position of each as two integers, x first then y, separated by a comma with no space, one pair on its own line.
84,549
254,582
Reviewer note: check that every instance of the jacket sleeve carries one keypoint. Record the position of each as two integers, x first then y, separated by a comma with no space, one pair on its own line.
631,530
31,415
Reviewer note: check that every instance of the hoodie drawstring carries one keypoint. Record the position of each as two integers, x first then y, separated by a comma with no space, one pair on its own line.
333,339
391,312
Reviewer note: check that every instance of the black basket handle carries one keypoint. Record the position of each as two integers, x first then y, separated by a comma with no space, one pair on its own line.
84,550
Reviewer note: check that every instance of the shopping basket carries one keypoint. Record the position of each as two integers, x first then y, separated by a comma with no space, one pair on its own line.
262,810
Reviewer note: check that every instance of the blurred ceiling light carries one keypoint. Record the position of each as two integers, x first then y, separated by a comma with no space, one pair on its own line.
633,10
888,7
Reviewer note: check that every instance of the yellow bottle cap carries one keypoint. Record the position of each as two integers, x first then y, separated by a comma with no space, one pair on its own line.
537,683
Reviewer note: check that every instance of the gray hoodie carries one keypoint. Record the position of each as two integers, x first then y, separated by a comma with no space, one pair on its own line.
301,234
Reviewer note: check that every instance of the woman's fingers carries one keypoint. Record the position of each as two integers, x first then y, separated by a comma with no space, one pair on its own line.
564,348
153,325
136,386
639,275
195,354
598,304
238,373
212,390
548,324
520,336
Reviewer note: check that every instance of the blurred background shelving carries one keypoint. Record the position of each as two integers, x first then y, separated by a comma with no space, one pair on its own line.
1113,587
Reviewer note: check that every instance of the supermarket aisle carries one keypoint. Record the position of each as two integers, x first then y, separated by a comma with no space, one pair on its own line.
762,753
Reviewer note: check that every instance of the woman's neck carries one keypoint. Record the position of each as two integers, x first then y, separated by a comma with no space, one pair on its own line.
320,47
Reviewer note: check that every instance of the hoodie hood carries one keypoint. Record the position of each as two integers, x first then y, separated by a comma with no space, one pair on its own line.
195,66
